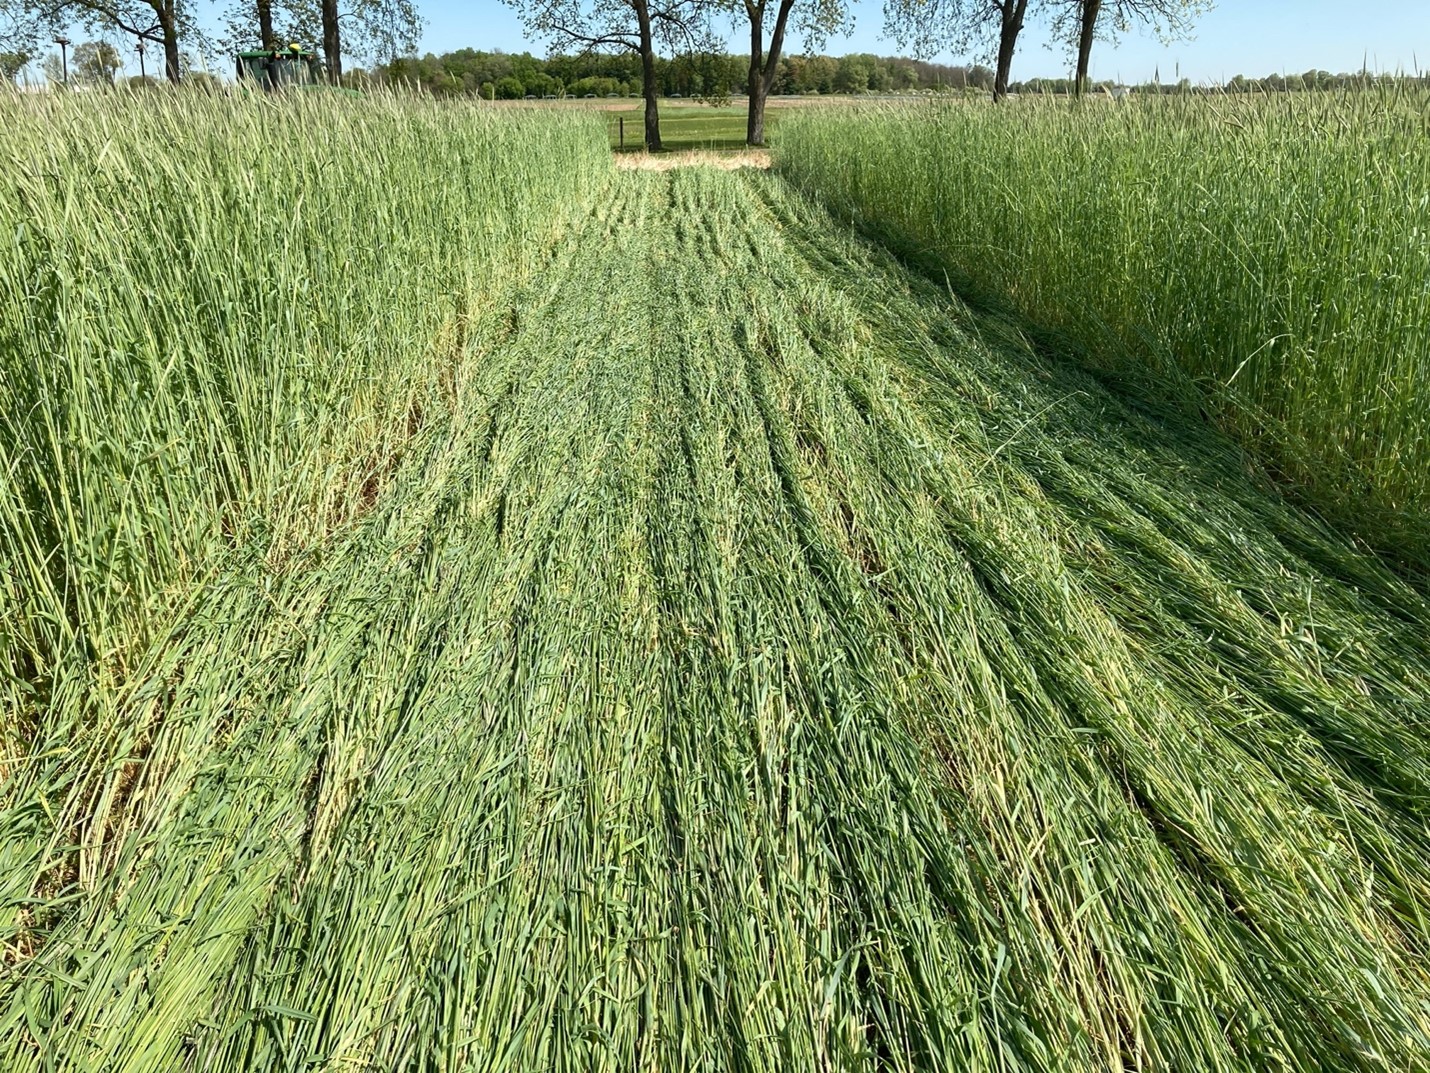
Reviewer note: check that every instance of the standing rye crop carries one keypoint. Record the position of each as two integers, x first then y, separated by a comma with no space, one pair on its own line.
465,607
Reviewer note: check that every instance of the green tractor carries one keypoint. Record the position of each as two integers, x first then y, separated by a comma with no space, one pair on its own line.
274,69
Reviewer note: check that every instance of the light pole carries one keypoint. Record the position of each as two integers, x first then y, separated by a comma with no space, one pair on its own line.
64,43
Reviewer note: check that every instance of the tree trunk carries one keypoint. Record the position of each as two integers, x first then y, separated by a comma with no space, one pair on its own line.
650,90
1090,11
755,131
266,36
763,72
1012,24
169,31
332,41
755,87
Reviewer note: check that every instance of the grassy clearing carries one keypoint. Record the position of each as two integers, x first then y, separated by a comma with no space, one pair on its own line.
815,677
692,127
1271,251
685,127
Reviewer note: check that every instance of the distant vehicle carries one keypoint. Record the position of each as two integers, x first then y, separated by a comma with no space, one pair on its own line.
675,96
529,97
280,68
549,97
616,96
590,96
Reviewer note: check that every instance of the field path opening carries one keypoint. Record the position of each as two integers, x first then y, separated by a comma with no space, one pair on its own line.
768,664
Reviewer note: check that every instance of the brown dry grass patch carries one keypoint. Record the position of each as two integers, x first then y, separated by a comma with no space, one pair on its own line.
694,158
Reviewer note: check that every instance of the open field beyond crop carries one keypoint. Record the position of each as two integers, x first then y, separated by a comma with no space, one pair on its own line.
683,128
466,607
703,127
685,125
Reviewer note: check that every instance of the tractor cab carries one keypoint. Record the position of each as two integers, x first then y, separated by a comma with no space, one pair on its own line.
280,68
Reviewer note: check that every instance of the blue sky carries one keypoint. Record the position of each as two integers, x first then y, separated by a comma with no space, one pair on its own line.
1251,37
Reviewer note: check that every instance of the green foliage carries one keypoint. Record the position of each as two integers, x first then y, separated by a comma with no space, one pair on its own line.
595,87
929,27
95,63
375,31
12,64
1167,20
1271,250
708,75
167,23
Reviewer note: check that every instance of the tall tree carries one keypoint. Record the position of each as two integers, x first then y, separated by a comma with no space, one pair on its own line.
1082,21
930,26
633,25
164,22
1088,11
96,63
816,19
11,64
332,40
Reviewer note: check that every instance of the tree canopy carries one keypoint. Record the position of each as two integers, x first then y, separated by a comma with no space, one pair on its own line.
95,63
373,30
636,26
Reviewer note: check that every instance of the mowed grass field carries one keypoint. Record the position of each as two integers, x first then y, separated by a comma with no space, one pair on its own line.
469,607
687,127
687,124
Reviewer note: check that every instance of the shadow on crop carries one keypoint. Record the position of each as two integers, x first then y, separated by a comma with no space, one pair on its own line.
1187,427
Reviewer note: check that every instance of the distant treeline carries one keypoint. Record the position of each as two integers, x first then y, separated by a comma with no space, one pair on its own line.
512,76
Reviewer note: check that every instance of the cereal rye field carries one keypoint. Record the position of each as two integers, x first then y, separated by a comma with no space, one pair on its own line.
470,608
